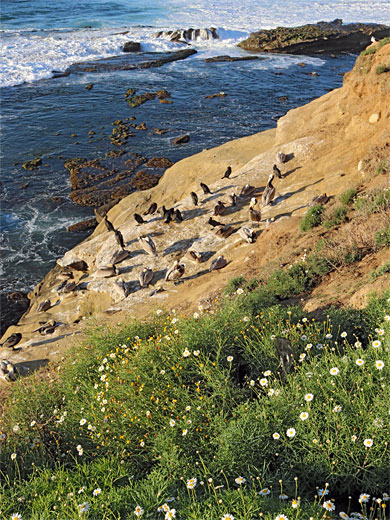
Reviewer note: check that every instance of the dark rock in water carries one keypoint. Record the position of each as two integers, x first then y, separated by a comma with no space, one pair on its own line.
182,35
57,199
159,162
136,101
33,164
131,47
283,98
115,153
160,131
141,126
144,180
220,94
166,101
230,58
162,94
322,37
181,140
89,86
84,225
13,305
59,73
25,185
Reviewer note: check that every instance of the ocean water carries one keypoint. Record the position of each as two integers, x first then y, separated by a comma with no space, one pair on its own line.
41,115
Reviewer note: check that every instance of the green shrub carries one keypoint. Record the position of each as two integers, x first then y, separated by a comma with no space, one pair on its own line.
382,237
335,217
373,202
383,269
382,68
372,49
383,168
348,196
234,284
312,218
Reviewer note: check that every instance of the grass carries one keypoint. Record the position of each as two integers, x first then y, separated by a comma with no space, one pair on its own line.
335,216
348,196
312,218
383,269
138,414
373,202
382,68
372,49
382,237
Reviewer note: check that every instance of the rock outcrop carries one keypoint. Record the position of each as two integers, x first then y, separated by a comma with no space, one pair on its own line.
322,37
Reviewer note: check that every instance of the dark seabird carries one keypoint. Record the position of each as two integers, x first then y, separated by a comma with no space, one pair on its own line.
214,223
8,370
145,277
254,215
320,199
106,271
152,209
219,209
276,171
12,340
269,192
194,198
44,306
65,275
119,239
148,245
225,231
47,328
168,216
228,172
175,272
247,190
139,219
162,211
178,216
218,263
205,188
281,157
108,224
119,256
194,256
247,234
233,199
66,288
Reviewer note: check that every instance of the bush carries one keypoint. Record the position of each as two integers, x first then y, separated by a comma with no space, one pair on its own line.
373,202
312,218
383,269
382,237
372,49
335,217
348,196
382,68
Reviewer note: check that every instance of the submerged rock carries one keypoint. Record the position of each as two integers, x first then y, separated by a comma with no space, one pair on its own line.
84,225
131,47
33,164
181,139
230,58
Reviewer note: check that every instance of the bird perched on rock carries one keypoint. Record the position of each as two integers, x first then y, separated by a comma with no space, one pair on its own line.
247,234
255,216
205,188
8,370
65,275
276,171
269,192
148,245
320,199
219,209
228,172
247,190
194,198
175,272
145,276
168,215
119,238
47,327
373,39
178,216
44,306
12,340
214,223
108,224
66,288
119,256
138,218
225,231
122,287
232,199
106,271
281,157
152,209
195,256
218,263
253,202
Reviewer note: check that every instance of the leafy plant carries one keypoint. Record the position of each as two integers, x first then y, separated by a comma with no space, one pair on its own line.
312,218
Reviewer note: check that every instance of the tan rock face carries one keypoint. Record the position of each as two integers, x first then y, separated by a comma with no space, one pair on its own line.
324,142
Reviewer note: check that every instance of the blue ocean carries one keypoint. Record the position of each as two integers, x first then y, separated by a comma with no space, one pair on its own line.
52,118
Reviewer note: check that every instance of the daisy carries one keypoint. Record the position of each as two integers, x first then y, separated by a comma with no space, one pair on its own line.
281,517
83,507
368,443
33,423
337,408
343,515
196,352
184,432
364,498
304,320
303,416
230,358
276,436
283,497
172,423
245,318
291,433
264,492
357,344
359,362
303,337
227,517
191,483
138,511
328,505
376,343
379,364
309,397
251,383
16,428
353,438
264,381
170,514
96,492
343,334
13,456
386,497
240,480
186,353
267,373
328,336
334,371
240,291
323,492
16,516
195,315
294,503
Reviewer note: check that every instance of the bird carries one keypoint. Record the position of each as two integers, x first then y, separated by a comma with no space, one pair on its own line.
119,256
12,340
228,172
255,216
232,199
175,272
178,216
65,275
152,209
247,234
269,192
8,370
373,39
225,231
285,353
145,276
119,238
106,271
44,306
168,215
162,211
138,218
194,198
253,202
281,157
108,224
320,199
148,245
219,209
195,256
47,327
66,287
247,190
276,171
122,287
214,223
205,188
218,263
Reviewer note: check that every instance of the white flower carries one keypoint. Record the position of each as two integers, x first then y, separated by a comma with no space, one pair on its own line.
170,514
294,503
357,344
196,315
162,372
328,336
96,492
240,480
172,423
251,383
81,490
16,428
158,312
368,443
276,436
186,353
337,408
264,381
343,334
387,318
267,373
283,497
191,483
364,498
33,423
245,318
196,352
13,456
304,337
334,371
376,343
353,438
230,358
386,496
264,492
328,505
303,416
227,517
281,517
240,291
16,516
309,346
291,433
138,511
304,320
359,362
343,515
84,507
379,364
184,432
309,397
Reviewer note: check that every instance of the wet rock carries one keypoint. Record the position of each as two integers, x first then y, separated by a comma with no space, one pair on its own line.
218,59
144,180
91,132
136,101
60,73
160,131
219,94
301,64
84,225
159,162
322,37
166,101
141,126
283,98
57,199
25,185
162,94
131,47
115,153
181,139
89,86
33,164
